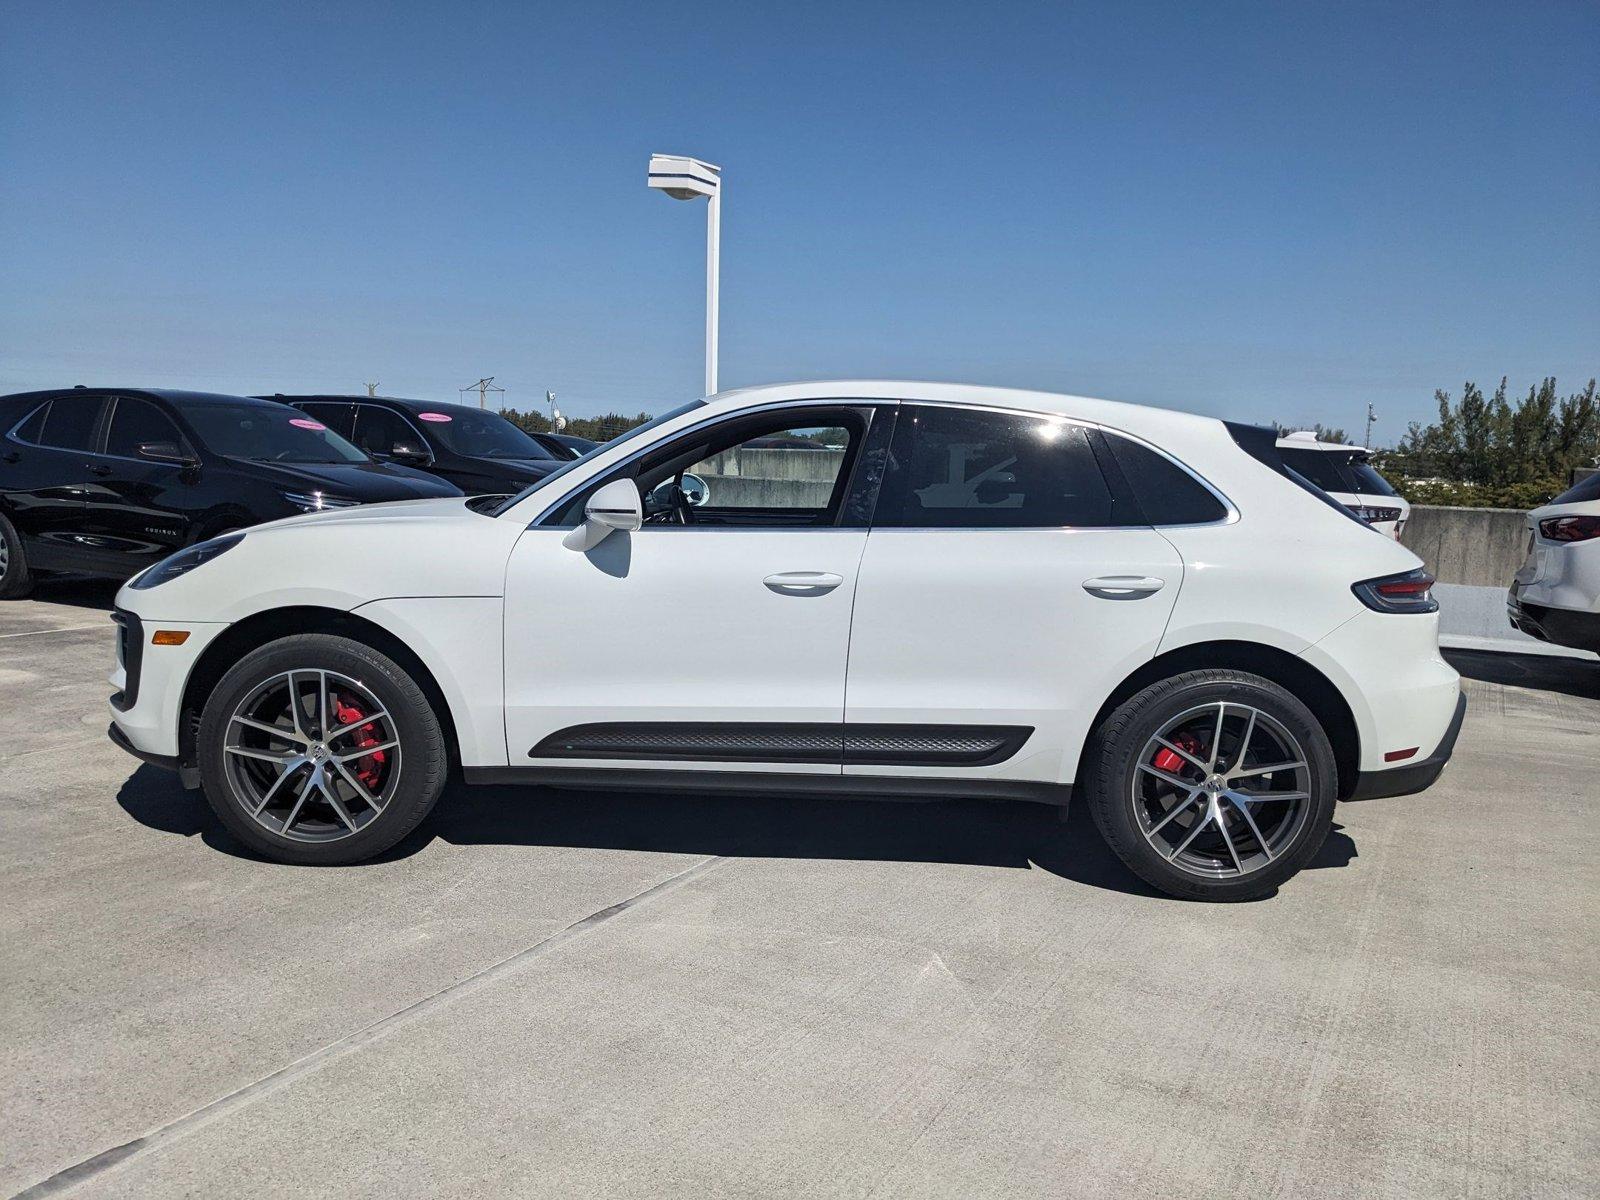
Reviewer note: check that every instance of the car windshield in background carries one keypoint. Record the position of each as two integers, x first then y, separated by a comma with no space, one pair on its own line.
269,433
1334,471
478,434
670,415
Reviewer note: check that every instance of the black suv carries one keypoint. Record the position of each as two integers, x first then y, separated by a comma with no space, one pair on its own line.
480,452
106,481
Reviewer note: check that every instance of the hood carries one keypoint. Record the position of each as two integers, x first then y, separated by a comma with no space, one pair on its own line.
364,482
514,473
446,510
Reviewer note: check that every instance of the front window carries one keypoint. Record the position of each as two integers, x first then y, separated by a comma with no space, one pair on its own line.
621,439
269,433
475,433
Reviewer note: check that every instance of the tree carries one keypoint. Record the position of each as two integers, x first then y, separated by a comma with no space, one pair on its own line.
596,429
1325,433
1490,441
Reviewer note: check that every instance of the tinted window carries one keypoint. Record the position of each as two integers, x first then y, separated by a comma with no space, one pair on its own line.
1368,480
30,429
69,425
1166,494
338,417
134,421
269,433
1323,468
953,468
480,434
379,431
1584,489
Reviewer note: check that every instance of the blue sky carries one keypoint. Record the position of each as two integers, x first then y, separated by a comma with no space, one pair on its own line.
1265,210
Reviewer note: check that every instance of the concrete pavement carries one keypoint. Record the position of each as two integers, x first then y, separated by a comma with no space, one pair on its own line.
546,993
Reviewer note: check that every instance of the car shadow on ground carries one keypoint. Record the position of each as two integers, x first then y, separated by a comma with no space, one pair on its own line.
1541,672
972,832
76,591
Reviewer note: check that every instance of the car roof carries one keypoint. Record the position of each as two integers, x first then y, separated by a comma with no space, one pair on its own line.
1306,439
404,402
174,395
1136,418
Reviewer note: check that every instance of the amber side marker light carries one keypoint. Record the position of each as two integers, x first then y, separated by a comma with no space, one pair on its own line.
169,637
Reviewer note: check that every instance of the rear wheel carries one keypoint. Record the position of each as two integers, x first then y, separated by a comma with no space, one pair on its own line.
1213,785
318,749
15,579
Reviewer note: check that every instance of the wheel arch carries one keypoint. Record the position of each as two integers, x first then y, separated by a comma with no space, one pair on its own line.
260,628
1309,685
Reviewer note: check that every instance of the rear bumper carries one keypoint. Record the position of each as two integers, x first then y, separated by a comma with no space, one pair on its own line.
1559,626
1414,777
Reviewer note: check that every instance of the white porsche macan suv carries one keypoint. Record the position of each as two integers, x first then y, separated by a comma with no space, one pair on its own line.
860,588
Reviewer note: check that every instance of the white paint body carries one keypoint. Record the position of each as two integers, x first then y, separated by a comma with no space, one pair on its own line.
526,636
1562,575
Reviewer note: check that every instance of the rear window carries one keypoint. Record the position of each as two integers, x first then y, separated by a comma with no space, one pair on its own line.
1338,471
1586,489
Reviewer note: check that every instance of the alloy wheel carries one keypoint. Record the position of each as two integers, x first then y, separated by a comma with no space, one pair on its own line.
312,755
1222,790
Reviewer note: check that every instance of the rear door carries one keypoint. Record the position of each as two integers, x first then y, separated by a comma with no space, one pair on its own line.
1001,597
44,471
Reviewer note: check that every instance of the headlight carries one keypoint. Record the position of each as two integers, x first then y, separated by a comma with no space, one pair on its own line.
184,561
317,501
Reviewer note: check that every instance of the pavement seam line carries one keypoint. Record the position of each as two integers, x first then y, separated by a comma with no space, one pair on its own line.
63,629
70,1177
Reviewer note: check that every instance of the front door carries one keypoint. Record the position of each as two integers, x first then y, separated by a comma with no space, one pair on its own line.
1001,599
137,508
715,637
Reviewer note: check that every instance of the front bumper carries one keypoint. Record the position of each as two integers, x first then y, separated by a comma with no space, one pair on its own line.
149,680
1413,777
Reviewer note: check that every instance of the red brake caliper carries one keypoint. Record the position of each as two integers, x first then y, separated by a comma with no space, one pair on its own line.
1166,760
369,768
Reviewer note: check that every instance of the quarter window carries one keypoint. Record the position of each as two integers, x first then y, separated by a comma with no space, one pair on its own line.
135,422
953,468
1165,494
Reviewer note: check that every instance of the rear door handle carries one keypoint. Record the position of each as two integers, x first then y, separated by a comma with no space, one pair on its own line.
803,583
1123,587
99,469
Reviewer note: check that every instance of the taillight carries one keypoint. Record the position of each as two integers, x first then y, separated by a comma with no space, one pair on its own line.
1570,529
1372,514
1408,593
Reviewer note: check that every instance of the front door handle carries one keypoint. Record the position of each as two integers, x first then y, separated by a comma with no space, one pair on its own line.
1123,587
803,583
99,469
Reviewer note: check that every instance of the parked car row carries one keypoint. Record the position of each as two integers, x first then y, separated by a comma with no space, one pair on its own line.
107,481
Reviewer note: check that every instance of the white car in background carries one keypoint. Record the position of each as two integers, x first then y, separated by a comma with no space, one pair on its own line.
1346,473
965,592
1555,595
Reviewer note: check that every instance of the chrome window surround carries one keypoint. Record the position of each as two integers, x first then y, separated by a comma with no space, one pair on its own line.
1231,515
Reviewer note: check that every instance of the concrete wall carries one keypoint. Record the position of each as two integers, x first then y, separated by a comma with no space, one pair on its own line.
771,478
1479,547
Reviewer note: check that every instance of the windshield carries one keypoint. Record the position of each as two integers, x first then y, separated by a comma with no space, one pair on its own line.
1337,471
478,434
269,433
670,415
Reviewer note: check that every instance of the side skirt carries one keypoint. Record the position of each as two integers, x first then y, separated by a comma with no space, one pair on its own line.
772,783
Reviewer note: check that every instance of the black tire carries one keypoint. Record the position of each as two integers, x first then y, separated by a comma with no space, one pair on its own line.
15,579
423,765
1112,763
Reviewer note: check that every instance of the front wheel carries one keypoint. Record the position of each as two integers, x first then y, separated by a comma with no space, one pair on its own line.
1213,785
319,750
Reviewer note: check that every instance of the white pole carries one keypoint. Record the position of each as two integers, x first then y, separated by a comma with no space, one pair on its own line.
713,263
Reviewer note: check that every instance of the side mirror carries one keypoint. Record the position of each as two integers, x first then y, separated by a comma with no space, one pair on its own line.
166,452
405,452
615,506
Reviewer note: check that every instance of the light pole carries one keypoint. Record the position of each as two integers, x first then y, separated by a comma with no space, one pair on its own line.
686,179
